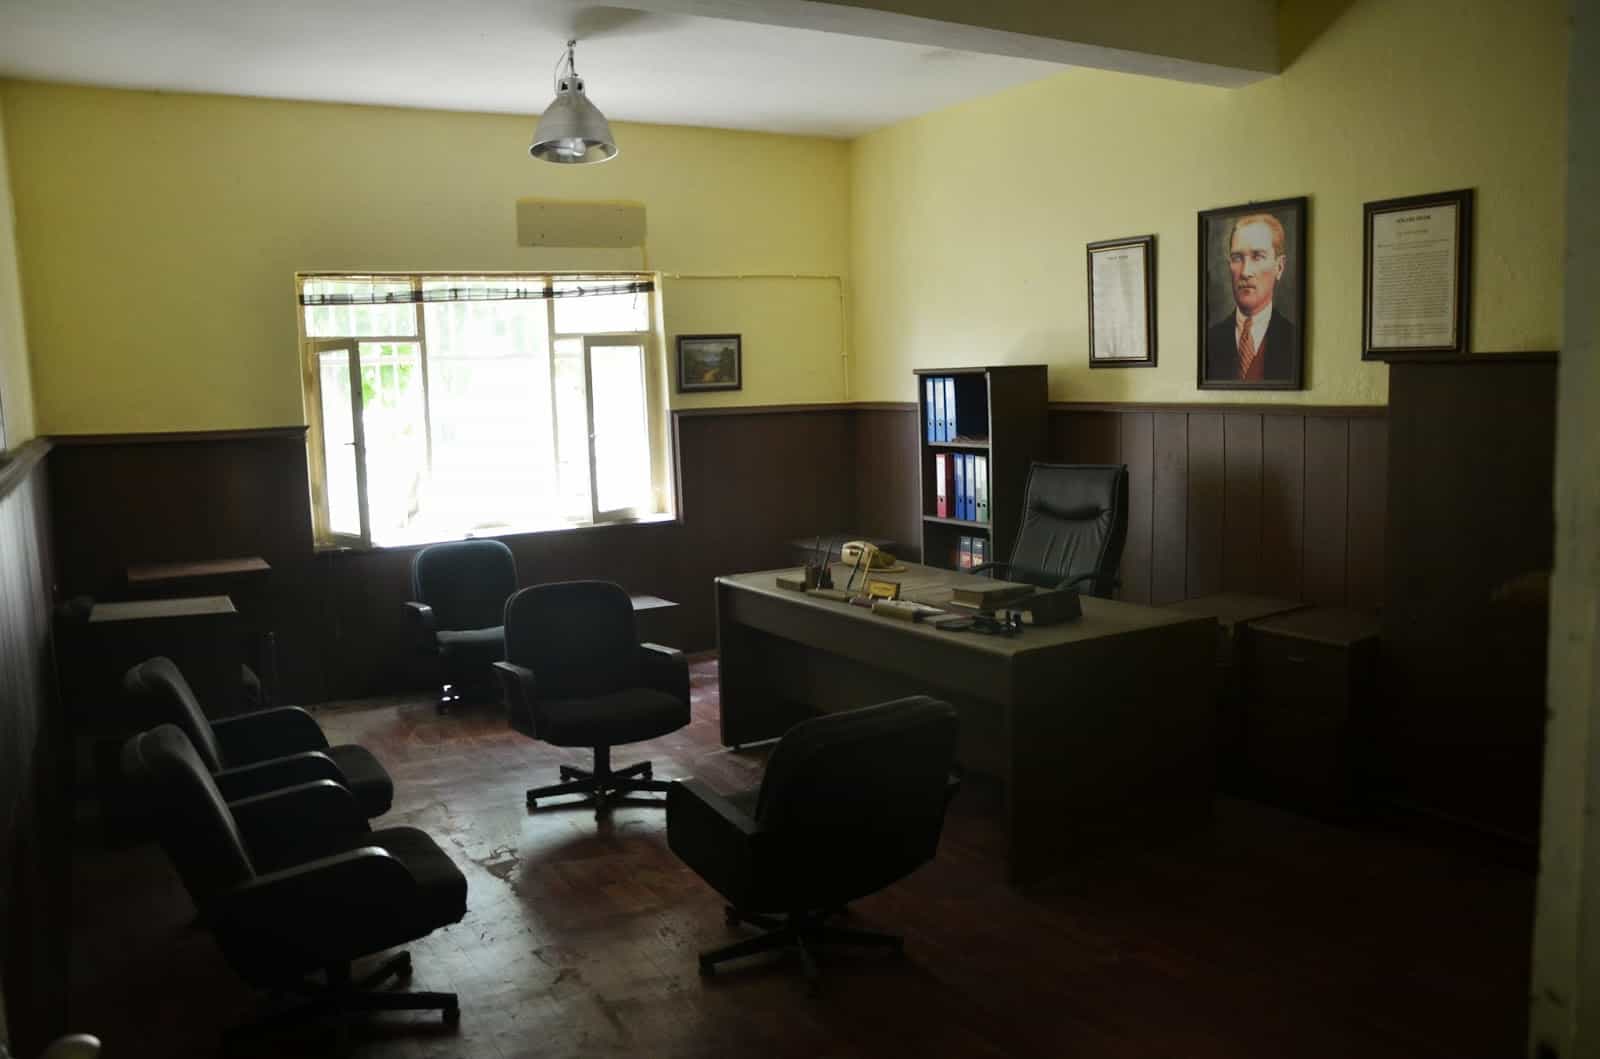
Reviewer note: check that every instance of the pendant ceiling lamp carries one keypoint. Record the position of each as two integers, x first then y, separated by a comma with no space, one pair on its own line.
572,131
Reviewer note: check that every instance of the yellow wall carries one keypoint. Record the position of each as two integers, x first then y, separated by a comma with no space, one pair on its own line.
16,387
159,236
969,225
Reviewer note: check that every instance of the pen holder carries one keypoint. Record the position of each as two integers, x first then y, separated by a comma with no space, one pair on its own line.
819,575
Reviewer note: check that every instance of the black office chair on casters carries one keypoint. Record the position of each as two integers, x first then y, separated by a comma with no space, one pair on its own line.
576,675
294,886
850,803
458,596
1074,523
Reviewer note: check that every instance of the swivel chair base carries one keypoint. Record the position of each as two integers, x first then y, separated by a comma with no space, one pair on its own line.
342,996
603,787
805,931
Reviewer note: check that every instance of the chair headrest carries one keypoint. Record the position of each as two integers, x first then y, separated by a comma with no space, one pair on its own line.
158,686
189,814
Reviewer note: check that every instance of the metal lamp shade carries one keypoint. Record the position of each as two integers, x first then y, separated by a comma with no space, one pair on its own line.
572,131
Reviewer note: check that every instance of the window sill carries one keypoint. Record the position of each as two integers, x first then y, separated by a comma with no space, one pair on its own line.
506,535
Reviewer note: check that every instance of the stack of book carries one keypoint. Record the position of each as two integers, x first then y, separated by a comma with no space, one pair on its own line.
971,551
961,486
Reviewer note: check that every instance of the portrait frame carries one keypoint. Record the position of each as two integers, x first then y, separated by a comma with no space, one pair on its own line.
696,371
1283,349
1124,314
1456,252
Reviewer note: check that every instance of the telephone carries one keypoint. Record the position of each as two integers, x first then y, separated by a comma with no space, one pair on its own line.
877,558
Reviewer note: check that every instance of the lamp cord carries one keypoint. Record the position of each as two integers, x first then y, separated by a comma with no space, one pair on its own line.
572,65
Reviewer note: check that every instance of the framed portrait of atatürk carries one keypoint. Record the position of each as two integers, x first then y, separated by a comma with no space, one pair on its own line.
1253,296
709,362
1122,302
1416,275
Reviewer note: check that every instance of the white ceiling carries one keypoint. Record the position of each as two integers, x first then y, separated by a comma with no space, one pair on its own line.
498,56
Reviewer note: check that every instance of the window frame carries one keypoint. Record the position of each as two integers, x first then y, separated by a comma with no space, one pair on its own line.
649,341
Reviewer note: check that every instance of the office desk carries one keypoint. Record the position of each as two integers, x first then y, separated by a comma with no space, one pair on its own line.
1094,725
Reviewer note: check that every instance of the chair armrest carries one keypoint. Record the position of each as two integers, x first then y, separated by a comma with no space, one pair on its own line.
264,734
1096,581
664,669
312,906
521,696
424,627
298,823
274,774
713,836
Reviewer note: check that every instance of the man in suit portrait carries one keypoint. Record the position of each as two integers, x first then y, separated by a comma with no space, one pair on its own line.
1256,342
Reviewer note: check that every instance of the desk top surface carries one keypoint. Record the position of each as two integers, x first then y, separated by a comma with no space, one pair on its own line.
144,573
148,609
934,586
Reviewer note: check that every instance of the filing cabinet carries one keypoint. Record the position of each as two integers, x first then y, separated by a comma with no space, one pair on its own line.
1309,710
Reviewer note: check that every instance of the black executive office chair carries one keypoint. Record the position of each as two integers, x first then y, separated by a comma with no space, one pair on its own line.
850,803
1074,523
458,595
577,675
292,883
251,753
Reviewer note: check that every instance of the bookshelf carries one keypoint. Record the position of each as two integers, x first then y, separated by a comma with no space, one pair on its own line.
1000,416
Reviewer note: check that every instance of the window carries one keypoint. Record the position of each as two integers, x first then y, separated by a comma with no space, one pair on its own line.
442,406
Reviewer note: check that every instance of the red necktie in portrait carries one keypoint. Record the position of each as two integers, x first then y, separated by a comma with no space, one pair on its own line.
1250,363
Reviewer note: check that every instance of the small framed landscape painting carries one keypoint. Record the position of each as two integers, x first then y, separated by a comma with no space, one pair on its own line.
709,362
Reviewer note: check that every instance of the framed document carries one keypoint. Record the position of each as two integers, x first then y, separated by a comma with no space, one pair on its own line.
1122,303
1416,275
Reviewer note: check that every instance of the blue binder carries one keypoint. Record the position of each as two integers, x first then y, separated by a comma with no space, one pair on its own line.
930,411
950,425
960,510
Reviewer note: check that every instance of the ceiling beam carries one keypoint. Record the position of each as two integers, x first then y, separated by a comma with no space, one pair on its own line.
1220,42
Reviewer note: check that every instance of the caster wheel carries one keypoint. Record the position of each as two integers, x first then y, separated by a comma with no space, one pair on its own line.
729,916
452,1016
707,968
648,774
402,971
533,803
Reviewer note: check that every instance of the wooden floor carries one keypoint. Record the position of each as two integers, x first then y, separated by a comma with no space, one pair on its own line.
1264,935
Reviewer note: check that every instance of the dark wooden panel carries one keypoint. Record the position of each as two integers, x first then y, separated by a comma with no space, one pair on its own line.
1207,474
1283,459
1471,506
1086,437
1138,452
35,769
1369,485
1169,511
1241,505
885,480
1326,502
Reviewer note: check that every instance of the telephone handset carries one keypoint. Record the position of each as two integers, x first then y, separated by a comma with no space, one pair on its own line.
877,558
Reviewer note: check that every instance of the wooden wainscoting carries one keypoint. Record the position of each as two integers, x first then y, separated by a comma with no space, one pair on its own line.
35,770
749,480
1271,500
1281,501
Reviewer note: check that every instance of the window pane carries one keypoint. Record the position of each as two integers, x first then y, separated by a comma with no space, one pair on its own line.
572,429
621,427
493,441
397,451
358,321
339,443
601,313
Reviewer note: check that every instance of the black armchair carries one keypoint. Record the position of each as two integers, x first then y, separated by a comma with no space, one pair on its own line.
252,753
292,883
850,803
577,675
458,594
1074,523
